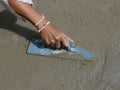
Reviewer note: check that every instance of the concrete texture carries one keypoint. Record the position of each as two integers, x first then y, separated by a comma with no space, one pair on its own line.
94,25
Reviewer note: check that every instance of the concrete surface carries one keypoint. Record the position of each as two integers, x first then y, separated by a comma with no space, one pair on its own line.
94,24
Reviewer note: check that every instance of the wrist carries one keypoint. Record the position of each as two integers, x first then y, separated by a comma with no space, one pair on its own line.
39,26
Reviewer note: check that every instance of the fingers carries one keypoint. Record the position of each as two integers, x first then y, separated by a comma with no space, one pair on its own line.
52,43
69,39
58,44
64,41
60,41
47,41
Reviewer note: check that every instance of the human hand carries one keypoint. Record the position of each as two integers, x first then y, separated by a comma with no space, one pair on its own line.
54,37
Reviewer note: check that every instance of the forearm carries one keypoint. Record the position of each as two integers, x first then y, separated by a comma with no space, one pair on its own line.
50,34
26,10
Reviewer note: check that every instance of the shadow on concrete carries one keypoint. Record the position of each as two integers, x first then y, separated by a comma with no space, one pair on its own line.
7,21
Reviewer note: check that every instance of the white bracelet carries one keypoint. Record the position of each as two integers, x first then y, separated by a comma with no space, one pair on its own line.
44,26
40,20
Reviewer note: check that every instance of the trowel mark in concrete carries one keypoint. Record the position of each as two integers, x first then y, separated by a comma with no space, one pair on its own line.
116,44
13,38
44,3
111,79
95,75
107,8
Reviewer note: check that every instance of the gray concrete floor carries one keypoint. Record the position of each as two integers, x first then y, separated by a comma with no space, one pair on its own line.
94,25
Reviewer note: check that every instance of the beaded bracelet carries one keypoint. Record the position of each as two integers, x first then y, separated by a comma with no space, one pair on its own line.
44,26
41,19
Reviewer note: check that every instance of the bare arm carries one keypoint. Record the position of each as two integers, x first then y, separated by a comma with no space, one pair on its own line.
51,34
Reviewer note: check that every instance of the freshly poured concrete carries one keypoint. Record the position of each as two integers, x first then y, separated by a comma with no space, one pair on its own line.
93,24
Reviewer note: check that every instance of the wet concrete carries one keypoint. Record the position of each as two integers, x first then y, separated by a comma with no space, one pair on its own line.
95,25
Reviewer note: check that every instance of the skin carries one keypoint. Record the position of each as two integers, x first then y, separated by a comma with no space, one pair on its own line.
51,34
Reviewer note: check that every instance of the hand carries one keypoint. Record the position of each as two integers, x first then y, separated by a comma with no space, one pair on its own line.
54,37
